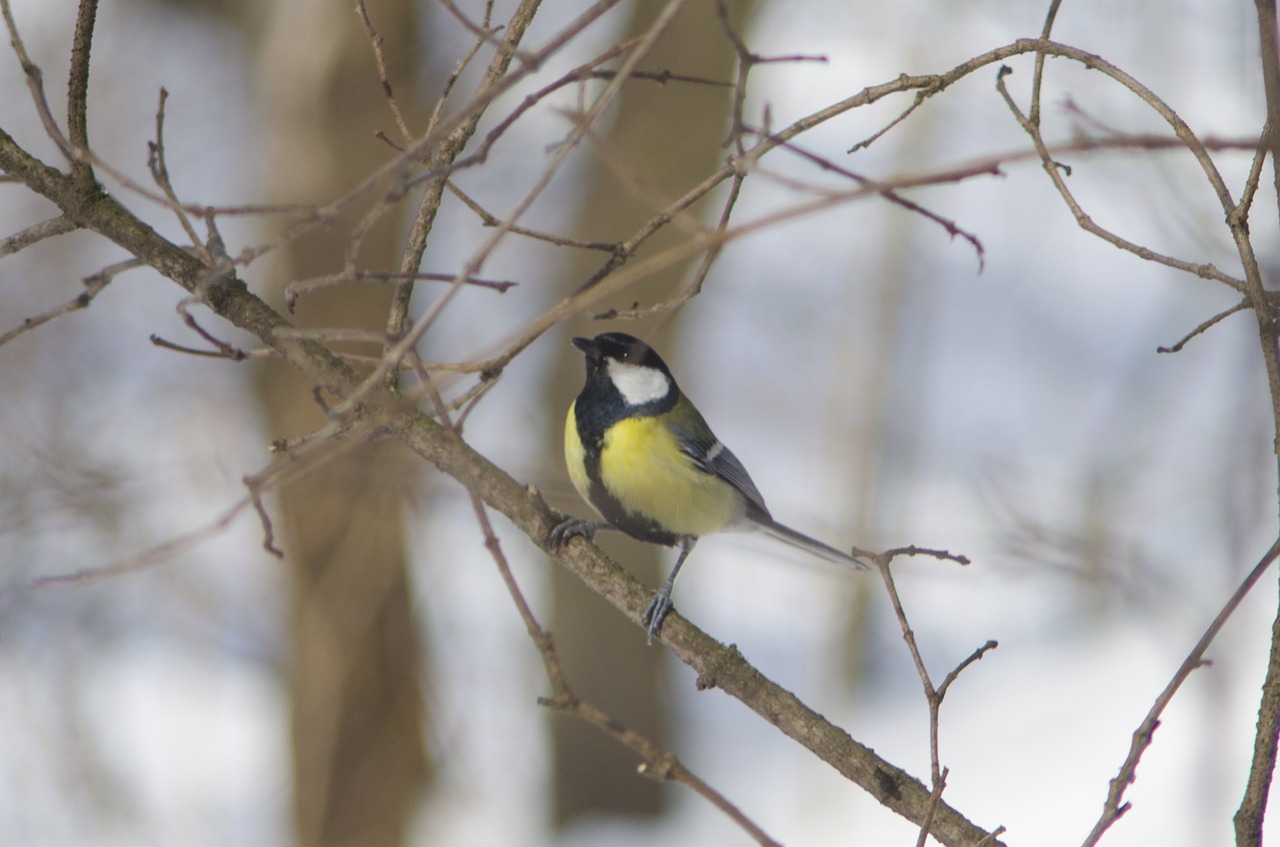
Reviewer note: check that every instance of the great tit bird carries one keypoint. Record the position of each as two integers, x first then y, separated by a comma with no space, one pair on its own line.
643,457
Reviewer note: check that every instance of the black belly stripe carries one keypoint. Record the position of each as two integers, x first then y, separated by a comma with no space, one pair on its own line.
591,433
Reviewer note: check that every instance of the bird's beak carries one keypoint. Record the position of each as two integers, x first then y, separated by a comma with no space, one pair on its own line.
586,345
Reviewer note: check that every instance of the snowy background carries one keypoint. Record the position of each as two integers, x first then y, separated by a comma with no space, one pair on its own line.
1109,497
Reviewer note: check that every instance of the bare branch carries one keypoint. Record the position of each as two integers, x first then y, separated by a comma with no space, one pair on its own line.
93,286
1038,77
35,84
1204,326
405,341
1115,807
160,173
443,156
489,220
298,288
1053,169
1253,806
36,233
375,41
155,555
893,197
78,91
224,349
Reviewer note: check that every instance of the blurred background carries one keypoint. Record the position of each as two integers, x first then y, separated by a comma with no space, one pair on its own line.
883,386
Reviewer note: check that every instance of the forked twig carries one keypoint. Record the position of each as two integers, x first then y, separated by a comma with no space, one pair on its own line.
1053,169
160,173
934,695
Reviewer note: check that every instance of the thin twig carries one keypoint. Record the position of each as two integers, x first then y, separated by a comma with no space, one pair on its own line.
456,73
1037,76
268,532
483,32
746,61
935,797
235,356
1203,326
1115,807
417,241
1253,805
224,349
160,173
376,41
933,695
1052,168
920,97
490,220
894,197
156,554
1241,212
441,157
36,233
695,284
612,277
35,84
93,286
298,288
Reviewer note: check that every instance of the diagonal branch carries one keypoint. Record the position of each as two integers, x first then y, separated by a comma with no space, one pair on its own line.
1115,807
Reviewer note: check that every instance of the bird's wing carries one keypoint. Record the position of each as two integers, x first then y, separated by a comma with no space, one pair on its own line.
712,457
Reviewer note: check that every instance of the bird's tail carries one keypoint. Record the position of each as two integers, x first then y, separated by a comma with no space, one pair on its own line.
812,545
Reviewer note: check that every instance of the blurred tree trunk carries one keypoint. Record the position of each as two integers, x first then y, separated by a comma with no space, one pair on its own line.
670,136
359,763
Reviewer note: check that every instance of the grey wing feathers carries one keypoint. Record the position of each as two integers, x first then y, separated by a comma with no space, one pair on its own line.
716,459
726,466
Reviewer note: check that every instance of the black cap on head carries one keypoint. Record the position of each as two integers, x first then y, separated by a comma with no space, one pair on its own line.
622,348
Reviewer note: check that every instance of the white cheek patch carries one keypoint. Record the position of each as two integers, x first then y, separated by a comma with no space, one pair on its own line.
638,385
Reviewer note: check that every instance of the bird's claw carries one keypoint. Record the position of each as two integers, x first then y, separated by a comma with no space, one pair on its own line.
656,612
570,528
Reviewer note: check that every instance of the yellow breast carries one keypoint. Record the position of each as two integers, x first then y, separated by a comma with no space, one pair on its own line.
642,466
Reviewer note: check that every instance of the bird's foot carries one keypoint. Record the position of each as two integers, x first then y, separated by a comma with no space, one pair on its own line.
656,612
571,528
